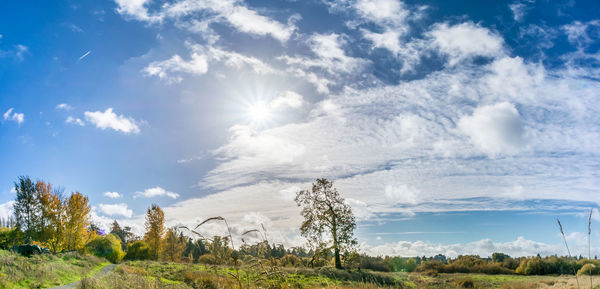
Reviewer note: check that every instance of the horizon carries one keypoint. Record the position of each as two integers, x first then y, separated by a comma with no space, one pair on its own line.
449,128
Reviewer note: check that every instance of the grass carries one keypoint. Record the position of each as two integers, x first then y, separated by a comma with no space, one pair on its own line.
42,271
150,274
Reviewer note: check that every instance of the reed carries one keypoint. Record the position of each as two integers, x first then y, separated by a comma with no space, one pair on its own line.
568,250
590,245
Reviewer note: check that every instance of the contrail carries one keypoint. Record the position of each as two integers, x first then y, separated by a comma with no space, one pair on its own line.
84,55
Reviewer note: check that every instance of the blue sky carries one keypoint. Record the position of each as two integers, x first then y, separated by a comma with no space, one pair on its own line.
449,126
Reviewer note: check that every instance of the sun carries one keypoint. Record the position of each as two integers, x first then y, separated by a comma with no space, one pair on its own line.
259,112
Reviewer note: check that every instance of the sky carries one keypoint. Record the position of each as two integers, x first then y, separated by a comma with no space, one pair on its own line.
453,127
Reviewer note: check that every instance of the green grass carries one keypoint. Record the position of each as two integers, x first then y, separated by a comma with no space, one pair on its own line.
47,270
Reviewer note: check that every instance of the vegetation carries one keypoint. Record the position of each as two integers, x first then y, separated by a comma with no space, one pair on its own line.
325,211
168,258
108,247
155,228
42,271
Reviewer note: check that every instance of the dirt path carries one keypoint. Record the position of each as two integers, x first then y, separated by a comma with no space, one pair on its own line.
107,269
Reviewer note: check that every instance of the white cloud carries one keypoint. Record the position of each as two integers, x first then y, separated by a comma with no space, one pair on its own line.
389,39
156,192
14,116
64,106
112,195
20,51
495,129
76,121
288,99
236,60
484,248
466,40
171,69
577,32
108,119
327,64
6,210
382,10
241,17
402,194
197,65
137,9
248,21
519,9
116,210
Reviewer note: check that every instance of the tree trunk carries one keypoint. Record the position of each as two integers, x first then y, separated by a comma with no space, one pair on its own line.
338,261
336,247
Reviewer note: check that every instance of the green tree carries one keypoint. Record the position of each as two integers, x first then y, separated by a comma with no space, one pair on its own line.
326,213
155,229
27,208
124,234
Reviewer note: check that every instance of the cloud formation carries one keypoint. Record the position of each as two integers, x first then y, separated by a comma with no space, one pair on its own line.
240,17
116,210
109,119
495,129
112,195
156,192
14,116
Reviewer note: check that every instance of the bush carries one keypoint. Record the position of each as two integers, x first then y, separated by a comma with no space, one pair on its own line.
108,247
431,265
374,264
290,260
587,268
138,250
207,259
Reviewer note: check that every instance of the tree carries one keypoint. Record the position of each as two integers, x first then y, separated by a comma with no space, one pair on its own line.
325,211
193,250
26,208
155,229
77,221
52,217
173,246
124,234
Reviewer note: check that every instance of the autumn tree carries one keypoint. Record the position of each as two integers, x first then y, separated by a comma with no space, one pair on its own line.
77,221
173,246
52,215
328,220
26,208
155,229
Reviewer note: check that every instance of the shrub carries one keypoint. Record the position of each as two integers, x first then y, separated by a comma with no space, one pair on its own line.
290,260
207,259
587,268
138,250
431,265
465,283
374,264
198,279
108,247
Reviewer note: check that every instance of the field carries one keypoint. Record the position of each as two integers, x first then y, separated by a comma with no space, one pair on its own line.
45,271
42,271
149,274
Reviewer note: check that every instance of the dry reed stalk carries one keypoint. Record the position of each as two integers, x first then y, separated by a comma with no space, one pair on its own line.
590,245
568,251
